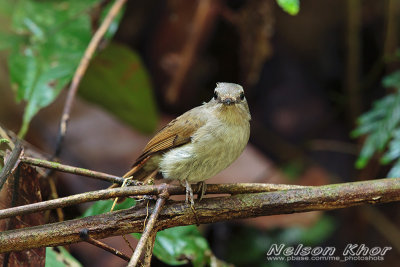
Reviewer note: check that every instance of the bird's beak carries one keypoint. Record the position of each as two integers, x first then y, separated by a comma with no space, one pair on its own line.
228,101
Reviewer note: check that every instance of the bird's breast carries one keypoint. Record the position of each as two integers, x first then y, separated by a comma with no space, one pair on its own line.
214,147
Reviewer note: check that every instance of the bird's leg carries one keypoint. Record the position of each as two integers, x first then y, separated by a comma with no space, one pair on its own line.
190,197
202,190
189,193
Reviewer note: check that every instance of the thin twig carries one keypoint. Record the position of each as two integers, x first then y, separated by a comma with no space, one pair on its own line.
85,236
70,169
80,71
11,163
148,229
95,14
209,210
148,250
138,191
54,195
205,15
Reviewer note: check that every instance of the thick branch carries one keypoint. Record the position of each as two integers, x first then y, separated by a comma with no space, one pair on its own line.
208,210
138,191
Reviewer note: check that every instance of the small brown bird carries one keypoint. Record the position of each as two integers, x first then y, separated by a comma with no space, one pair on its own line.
200,143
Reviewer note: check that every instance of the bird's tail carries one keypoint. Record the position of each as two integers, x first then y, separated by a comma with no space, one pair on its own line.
138,172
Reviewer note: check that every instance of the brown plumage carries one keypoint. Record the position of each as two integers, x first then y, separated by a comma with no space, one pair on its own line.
199,143
176,133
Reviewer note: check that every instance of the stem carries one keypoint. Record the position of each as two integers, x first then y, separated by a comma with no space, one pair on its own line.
11,163
80,71
70,169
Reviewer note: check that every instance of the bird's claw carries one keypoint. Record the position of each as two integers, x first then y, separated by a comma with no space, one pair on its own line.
190,197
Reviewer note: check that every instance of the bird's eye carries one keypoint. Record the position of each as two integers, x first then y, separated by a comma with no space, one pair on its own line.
215,95
241,96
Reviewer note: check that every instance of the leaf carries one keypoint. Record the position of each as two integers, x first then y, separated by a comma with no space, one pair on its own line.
393,152
181,245
4,141
118,81
392,80
381,125
292,7
103,206
395,170
60,257
48,42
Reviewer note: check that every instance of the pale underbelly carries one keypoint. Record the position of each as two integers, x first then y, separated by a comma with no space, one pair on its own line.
196,165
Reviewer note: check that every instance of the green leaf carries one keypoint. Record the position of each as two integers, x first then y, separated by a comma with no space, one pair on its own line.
381,125
60,257
292,7
392,80
395,170
118,81
4,141
181,245
103,206
393,152
49,40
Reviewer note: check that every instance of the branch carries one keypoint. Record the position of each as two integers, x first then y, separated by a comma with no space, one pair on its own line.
148,229
138,191
11,163
209,210
70,169
84,235
80,71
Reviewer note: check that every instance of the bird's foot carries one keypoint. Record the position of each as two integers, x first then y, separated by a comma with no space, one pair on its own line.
190,197
202,190
189,193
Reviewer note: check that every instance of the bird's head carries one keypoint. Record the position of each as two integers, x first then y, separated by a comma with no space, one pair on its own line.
229,94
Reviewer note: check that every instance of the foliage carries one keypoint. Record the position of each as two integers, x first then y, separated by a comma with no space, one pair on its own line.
181,245
60,257
173,246
248,245
4,140
381,125
118,81
103,206
292,7
46,42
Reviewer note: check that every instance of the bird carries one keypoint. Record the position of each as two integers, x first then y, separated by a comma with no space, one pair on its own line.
199,143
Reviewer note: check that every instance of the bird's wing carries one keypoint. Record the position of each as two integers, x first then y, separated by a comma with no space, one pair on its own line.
176,133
